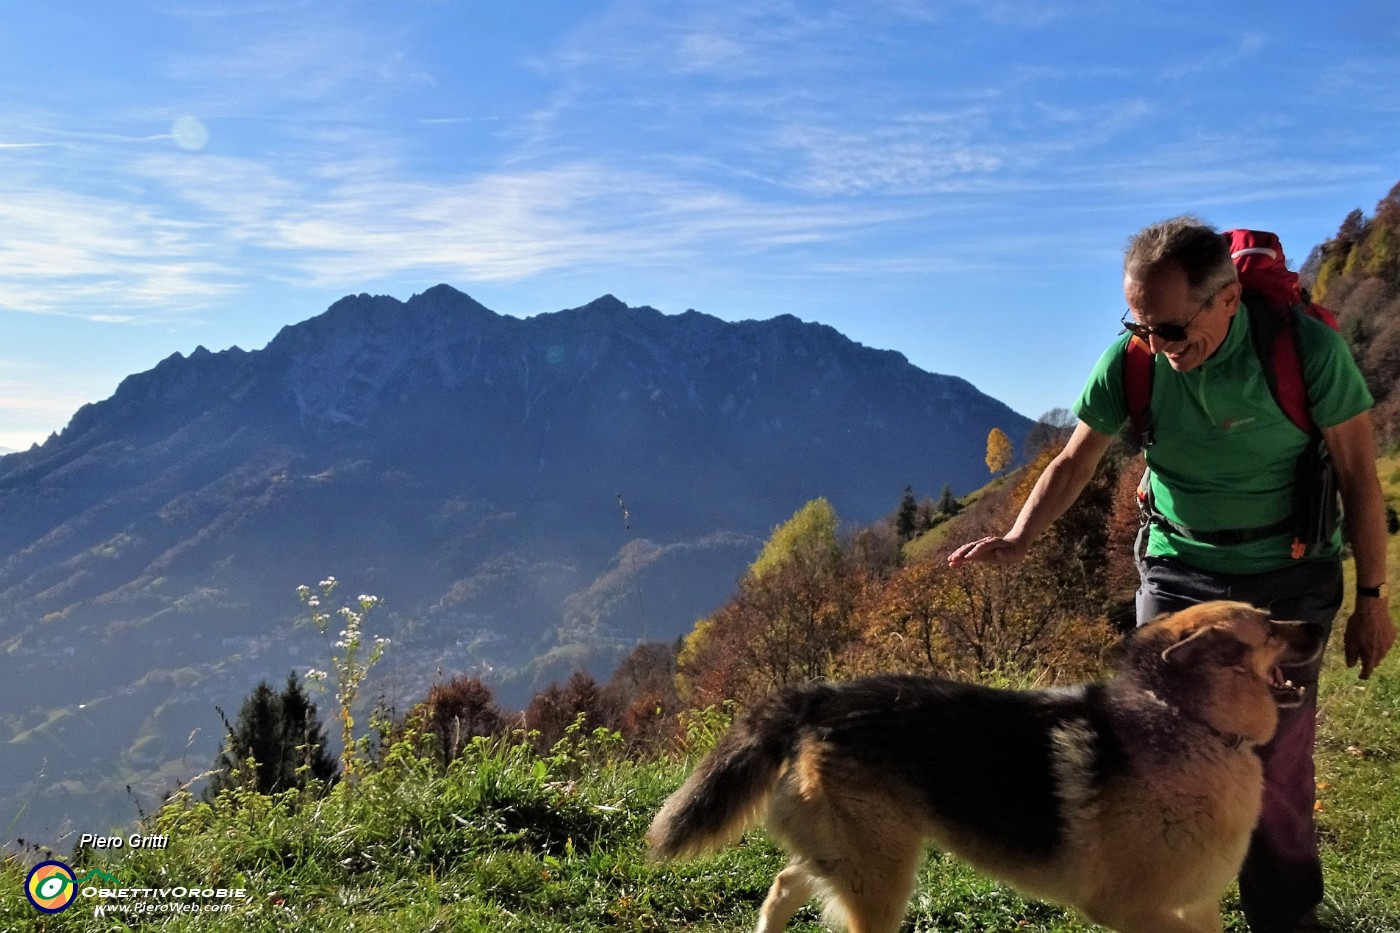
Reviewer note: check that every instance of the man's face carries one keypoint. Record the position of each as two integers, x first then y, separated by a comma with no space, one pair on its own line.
1164,298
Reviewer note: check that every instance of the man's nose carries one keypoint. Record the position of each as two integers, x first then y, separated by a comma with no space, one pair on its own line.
1156,344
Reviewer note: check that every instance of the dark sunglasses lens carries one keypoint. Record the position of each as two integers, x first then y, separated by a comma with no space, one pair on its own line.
1171,333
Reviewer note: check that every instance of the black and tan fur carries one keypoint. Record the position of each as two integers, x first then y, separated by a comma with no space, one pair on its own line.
1131,800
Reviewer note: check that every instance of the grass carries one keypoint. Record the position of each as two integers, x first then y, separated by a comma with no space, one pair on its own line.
510,840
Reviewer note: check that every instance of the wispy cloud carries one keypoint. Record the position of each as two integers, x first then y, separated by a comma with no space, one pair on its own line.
83,256
27,416
191,225
304,53
807,117
510,225
907,156
1018,14
816,151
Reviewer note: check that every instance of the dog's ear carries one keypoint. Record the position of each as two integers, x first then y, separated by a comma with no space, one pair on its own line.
1206,645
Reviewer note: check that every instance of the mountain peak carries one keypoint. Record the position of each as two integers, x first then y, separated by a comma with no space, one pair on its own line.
445,297
605,303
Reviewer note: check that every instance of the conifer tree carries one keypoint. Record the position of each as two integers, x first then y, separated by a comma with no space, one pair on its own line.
947,503
282,733
906,519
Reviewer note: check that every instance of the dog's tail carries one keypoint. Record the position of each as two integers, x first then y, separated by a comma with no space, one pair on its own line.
729,790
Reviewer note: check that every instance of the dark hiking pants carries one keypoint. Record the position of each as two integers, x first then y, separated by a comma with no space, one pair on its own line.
1281,879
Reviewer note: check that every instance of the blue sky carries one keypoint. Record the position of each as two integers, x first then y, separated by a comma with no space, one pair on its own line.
951,179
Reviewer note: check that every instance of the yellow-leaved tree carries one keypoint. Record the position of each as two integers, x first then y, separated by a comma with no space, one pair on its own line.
788,623
999,451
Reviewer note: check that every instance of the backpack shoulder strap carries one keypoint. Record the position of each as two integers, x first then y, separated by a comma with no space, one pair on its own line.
1137,391
1274,333
1275,303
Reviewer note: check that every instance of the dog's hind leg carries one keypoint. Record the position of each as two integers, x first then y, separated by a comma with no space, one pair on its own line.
872,895
792,888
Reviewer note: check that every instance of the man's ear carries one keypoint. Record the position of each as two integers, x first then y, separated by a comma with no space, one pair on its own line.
1231,295
1206,646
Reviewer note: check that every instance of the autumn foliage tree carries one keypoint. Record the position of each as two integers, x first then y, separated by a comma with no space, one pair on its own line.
1051,429
457,712
902,624
789,621
999,451
642,692
1357,275
1045,616
1124,522
809,608
553,710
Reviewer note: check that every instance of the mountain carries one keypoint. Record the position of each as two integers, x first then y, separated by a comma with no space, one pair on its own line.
525,495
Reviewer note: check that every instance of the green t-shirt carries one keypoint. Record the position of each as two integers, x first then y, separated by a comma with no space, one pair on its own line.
1225,453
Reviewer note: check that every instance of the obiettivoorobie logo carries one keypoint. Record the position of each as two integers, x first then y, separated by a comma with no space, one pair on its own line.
51,887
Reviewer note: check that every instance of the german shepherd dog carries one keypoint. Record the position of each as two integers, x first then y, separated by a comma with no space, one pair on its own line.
1131,800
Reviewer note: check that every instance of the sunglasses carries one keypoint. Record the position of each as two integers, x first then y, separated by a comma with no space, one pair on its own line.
1171,333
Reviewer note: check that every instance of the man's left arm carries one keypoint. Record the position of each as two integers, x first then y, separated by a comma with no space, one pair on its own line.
1370,631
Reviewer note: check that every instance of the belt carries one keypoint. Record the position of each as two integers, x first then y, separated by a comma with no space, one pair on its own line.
1225,536
1222,536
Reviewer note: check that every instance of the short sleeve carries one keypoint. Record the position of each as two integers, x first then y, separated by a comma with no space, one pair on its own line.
1336,389
1102,405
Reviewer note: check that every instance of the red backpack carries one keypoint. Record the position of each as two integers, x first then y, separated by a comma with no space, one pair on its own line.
1274,302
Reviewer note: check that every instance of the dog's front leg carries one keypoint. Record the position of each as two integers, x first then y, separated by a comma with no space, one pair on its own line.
791,889
1131,919
1205,916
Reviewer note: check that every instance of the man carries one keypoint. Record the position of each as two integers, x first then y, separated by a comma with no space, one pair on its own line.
1221,475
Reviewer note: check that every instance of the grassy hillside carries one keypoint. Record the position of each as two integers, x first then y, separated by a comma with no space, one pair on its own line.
508,839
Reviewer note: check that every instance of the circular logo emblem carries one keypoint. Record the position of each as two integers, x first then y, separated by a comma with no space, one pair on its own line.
51,887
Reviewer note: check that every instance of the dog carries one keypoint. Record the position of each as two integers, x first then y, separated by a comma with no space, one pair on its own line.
1131,800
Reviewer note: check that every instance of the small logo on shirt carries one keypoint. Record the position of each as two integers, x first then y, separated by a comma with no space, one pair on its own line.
1229,424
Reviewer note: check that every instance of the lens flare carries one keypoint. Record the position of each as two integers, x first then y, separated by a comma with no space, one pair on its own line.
190,133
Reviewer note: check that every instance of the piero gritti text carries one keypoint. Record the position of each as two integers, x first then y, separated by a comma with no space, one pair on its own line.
134,841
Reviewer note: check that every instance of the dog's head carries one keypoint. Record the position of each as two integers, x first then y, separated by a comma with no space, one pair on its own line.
1222,662
1243,640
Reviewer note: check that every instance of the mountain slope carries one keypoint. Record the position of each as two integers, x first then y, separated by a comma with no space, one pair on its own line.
526,495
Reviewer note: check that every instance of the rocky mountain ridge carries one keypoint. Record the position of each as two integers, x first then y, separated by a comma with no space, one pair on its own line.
527,495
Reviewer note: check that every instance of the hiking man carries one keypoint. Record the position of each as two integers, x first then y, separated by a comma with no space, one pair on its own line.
1219,497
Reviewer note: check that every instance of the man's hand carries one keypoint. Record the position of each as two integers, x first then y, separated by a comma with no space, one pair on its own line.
988,550
1369,635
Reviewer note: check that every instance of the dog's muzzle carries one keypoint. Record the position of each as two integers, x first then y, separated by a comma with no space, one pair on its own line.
1305,641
